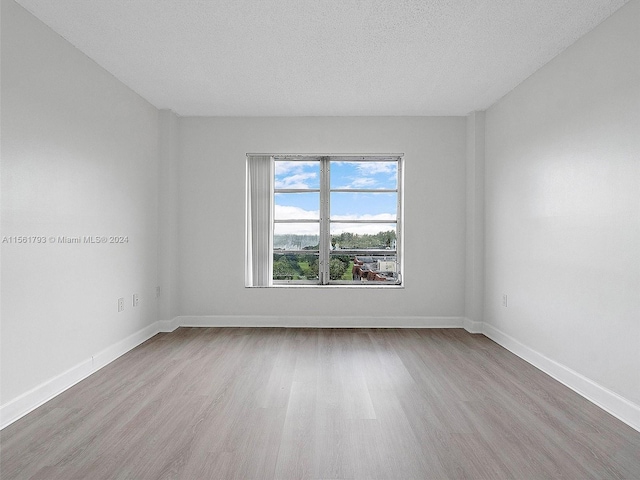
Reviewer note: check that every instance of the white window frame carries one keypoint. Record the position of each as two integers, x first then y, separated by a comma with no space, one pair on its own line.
324,253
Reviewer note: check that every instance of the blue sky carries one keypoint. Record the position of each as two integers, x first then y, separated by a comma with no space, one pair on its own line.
374,175
344,205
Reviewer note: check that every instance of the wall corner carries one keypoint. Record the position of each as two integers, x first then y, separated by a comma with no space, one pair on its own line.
474,258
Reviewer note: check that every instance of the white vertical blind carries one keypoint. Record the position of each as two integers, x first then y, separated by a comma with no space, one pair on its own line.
259,261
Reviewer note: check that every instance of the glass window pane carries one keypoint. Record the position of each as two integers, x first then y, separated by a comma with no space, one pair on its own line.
363,236
300,175
369,175
297,206
366,267
295,266
364,206
296,236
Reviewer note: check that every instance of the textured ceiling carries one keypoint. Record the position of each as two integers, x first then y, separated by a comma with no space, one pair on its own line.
322,57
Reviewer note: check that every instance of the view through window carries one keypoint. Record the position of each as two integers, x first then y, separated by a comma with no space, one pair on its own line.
337,220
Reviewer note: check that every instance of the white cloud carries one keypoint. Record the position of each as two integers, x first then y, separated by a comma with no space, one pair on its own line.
374,168
366,216
296,229
364,182
283,212
284,167
289,174
361,183
363,228
371,174
297,180
286,212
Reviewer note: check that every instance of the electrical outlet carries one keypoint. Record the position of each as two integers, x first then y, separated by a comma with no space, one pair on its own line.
504,299
135,299
120,304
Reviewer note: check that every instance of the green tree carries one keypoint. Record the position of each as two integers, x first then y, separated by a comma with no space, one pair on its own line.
283,270
314,269
336,268
347,240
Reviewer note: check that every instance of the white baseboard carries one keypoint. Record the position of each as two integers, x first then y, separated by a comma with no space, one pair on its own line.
318,321
472,326
25,403
168,326
611,402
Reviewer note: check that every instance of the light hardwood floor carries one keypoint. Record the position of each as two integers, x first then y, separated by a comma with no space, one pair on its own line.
222,403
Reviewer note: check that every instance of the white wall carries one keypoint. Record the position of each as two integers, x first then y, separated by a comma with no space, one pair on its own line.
474,265
212,212
563,208
168,175
79,157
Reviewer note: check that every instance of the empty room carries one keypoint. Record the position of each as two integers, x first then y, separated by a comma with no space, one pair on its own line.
283,239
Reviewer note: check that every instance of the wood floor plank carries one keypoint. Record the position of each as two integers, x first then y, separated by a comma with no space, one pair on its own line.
278,403
356,400
297,444
331,444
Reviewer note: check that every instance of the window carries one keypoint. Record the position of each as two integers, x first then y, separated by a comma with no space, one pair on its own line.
324,220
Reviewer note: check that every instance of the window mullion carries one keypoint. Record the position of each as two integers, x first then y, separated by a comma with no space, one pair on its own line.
325,234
